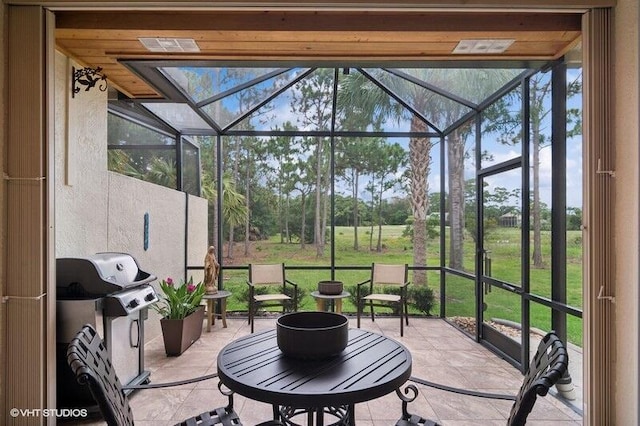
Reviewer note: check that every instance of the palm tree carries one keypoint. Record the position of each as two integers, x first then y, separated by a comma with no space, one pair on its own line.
234,210
357,89
119,161
162,172
438,108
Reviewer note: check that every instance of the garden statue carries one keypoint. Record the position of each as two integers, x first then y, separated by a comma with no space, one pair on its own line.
211,269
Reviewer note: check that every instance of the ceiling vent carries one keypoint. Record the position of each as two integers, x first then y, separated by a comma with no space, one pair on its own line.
172,45
474,47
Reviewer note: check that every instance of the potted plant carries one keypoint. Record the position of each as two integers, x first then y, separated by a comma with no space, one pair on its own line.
182,314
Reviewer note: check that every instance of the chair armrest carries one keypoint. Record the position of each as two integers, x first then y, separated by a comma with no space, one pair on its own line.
252,291
291,282
364,282
358,286
295,293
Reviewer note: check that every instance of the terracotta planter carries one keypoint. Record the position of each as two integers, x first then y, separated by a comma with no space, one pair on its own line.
179,334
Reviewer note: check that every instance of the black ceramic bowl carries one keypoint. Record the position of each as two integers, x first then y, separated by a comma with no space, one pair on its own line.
312,335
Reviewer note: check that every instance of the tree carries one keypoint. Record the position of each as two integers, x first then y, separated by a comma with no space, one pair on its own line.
120,162
508,121
303,184
353,159
390,158
469,84
356,89
153,165
202,84
209,168
438,109
312,101
162,172
397,210
254,152
574,219
284,151
353,156
234,210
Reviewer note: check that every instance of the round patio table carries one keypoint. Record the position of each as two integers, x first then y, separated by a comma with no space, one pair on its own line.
371,366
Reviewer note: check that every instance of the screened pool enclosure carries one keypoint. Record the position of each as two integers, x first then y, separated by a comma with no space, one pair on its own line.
468,172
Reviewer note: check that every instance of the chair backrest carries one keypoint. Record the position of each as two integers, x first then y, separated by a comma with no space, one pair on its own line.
266,274
89,360
547,367
389,274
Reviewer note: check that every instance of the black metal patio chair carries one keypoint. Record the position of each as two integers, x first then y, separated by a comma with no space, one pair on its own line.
89,360
546,368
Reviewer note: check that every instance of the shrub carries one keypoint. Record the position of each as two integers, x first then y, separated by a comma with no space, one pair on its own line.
364,290
353,289
302,293
244,294
422,298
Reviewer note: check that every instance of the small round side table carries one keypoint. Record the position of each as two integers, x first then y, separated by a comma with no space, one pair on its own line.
221,297
335,299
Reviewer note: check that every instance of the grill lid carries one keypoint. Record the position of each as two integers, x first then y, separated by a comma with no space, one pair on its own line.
98,275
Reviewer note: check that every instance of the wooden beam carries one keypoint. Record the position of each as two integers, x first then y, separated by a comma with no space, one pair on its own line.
101,38
320,21
327,4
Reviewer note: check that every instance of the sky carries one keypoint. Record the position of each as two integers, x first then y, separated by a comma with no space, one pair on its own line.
282,112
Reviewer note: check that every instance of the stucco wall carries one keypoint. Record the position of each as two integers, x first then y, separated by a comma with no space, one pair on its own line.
197,236
129,200
80,167
97,210
627,217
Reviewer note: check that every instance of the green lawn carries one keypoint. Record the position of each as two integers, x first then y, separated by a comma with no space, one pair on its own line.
504,245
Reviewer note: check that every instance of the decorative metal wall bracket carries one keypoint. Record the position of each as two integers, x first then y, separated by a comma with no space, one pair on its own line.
87,78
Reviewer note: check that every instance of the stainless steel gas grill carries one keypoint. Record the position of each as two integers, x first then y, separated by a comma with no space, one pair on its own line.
110,292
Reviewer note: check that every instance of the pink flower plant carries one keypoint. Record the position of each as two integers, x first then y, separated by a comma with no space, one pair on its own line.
179,301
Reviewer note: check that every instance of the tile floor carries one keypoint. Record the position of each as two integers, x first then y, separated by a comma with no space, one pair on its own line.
440,353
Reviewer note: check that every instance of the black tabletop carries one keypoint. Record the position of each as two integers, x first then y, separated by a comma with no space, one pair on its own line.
371,366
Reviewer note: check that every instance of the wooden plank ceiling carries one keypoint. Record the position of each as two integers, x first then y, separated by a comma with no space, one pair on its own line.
102,39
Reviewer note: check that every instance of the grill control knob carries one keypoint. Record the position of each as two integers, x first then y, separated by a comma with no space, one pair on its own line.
149,297
133,304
